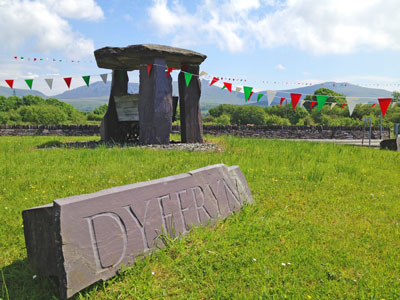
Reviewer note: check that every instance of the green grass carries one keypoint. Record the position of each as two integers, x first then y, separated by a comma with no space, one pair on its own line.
330,211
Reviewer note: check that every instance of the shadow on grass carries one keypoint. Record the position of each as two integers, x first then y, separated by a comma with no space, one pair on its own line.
89,144
22,283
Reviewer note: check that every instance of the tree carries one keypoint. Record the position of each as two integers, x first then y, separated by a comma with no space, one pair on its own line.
333,97
248,114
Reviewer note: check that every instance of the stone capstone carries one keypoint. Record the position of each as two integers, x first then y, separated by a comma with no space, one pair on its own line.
86,238
131,57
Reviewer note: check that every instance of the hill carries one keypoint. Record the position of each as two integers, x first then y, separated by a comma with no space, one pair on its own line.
7,92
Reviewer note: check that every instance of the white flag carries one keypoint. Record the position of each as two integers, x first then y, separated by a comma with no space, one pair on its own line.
203,73
49,82
104,77
333,105
271,95
393,104
238,89
301,103
351,103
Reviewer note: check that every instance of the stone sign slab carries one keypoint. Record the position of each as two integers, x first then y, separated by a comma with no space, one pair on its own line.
91,236
127,107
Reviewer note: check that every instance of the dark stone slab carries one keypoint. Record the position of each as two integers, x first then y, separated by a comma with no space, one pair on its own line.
389,144
189,104
130,57
95,234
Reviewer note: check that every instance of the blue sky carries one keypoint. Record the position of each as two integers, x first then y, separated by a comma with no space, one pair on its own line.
308,41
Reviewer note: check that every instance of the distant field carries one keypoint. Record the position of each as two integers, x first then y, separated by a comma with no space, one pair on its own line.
87,104
324,225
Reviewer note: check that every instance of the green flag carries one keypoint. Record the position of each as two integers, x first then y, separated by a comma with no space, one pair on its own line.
224,87
247,92
259,97
29,82
86,79
188,77
321,99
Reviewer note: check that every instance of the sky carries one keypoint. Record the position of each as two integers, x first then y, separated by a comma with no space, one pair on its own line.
282,41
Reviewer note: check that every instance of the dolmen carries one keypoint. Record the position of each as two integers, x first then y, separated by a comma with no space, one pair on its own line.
86,238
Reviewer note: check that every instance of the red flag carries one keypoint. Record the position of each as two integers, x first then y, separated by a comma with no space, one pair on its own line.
343,105
15,57
149,66
313,103
250,95
214,80
34,59
10,83
373,105
68,81
169,71
295,99
282,99
229,86
384,104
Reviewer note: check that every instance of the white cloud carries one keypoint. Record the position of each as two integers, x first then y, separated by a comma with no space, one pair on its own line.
318,27
41,25
280,67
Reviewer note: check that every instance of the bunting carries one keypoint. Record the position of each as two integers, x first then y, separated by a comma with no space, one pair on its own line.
104,77
49,82
228,86
247,92
271,95
251,94
214,80
351,103
149,67
202,73
321,99
343,105
373,105
282,99
313,104
29,83
86,79
188,77
333,105
295,99
10,83
259,97
169,71
68,81
384,104
238,89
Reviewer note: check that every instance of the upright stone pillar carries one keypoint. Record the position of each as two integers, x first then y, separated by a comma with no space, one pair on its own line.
110,128
189,104
155,103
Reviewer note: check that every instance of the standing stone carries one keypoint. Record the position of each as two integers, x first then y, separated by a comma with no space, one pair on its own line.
191,122
111,130
155,103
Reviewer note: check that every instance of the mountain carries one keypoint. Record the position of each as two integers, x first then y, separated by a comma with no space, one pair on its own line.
7,92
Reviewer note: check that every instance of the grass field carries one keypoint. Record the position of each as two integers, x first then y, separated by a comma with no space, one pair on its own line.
324,225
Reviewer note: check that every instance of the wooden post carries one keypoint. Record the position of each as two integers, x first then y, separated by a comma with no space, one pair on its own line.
155,103
110,126
189,104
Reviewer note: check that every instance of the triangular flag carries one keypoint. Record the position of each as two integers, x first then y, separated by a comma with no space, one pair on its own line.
321,99
259,97
228,86
333,105
295,99
29,82
104,77
282,99
10,83
343,105
373,105
393,104
169,71
149,67
214,80
351,103
224,87
68,81
86,79
313,104
188,77
203,73
302,102
251,94
384,104
238,89
49,82
247,92
271,95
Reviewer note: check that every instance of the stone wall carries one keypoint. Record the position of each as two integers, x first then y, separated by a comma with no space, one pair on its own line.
49,130
279,132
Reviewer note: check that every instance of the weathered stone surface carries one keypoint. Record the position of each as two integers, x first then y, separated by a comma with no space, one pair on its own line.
96,233
389,144
130,57
155,104
189,104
